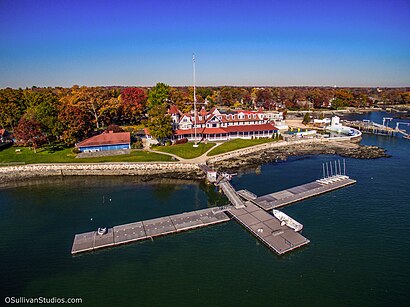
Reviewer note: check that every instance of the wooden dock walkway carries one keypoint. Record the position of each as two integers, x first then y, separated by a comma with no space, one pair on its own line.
268,229
231,194
142,230
298,193
375,128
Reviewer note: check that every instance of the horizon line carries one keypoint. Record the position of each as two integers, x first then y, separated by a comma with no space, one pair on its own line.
223,85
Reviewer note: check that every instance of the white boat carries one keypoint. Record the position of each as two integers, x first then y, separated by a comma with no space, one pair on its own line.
287,220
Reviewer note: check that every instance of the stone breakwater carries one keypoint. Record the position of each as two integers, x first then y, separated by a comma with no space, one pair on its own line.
280,151
146,171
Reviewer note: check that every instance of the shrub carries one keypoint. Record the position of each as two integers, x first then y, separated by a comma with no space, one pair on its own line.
76,150
137,144
181,141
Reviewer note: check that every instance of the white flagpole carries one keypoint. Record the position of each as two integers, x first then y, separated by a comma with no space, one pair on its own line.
195,115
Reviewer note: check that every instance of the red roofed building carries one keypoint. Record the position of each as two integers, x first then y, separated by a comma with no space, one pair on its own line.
106,141
218,126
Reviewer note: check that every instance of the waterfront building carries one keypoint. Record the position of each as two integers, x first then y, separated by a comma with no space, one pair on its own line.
106,141
217,125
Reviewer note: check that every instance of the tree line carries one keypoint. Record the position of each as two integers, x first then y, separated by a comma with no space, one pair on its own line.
68,115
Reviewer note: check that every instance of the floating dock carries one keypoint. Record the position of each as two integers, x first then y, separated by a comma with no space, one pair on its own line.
268,229
247,209
298,193
122,234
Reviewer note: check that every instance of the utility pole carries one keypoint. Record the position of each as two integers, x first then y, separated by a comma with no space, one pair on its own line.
195,113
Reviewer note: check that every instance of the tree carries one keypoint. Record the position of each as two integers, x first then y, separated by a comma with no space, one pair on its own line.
10,114
159,123
114,128
11,107
75,124
96,101
158,94
306,119
133,102
182,99
42,106
29,132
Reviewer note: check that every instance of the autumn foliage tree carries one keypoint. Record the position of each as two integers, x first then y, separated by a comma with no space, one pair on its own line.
75,124
29,132
133,101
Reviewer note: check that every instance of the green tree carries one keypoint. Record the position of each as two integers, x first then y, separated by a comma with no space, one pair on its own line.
42,107
158,95
159,123
306,119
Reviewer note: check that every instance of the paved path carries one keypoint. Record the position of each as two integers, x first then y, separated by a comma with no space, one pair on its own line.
198,160
251,149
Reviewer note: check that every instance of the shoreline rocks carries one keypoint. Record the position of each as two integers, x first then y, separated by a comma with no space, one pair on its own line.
344,149
252,156
146,171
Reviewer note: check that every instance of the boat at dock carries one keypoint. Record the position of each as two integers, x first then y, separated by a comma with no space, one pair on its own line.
287,220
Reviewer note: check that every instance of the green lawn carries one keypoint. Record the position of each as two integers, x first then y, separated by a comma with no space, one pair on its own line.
237,144
186,151
66,156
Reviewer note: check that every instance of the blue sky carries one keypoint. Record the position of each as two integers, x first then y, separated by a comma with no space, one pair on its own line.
278,43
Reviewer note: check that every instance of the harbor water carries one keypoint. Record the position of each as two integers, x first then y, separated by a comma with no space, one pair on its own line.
358,255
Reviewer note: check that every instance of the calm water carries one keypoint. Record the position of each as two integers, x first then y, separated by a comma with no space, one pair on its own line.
358,255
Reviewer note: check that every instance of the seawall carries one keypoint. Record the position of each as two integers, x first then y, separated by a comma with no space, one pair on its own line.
149,170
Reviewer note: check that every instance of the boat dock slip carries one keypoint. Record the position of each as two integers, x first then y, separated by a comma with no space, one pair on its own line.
142,230
247,209
268,229
292,195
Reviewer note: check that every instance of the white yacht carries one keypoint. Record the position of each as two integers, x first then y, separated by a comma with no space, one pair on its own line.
287,220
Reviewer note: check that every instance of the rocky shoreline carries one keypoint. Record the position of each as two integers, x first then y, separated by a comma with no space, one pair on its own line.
144,171
244,158
344,149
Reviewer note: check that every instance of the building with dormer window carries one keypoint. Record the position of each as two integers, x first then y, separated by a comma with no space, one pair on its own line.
217,125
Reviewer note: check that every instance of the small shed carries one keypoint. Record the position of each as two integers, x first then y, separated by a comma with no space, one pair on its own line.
106,141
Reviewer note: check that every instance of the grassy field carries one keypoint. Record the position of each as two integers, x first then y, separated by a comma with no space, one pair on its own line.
66,156
186,151
237,144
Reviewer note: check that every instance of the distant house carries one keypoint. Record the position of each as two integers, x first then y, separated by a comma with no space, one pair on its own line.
106,141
